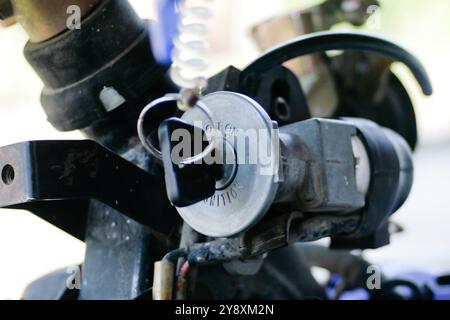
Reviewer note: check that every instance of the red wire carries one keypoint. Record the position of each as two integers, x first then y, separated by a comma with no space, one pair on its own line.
184,269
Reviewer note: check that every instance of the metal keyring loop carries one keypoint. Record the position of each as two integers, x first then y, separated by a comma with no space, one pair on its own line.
157,153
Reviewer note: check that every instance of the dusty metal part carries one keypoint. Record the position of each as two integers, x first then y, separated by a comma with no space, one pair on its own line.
243,202
295,162
93,194
272,234
163,280
216,251
40,174
294,227
119,257
324,171
315,173
330,184
321,227
44,19
120,248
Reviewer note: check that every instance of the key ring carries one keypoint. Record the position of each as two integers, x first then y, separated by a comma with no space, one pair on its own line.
157,153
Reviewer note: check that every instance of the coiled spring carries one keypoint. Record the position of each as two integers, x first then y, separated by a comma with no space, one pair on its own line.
189,64
191,47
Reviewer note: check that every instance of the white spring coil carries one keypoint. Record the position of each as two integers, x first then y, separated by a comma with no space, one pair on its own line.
190,54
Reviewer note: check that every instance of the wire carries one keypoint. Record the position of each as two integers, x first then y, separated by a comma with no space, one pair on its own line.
174,255
189,56
329,40
185,269
211,134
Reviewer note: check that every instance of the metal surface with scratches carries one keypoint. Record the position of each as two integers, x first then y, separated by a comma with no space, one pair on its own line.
46,174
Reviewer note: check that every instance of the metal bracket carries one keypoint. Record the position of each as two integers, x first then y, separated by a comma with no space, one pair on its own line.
57,179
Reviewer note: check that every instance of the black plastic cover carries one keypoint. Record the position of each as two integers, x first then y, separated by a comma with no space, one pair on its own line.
191,183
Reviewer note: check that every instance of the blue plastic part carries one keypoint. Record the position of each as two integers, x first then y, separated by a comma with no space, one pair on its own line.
438,285
164,31
357,294
334,282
